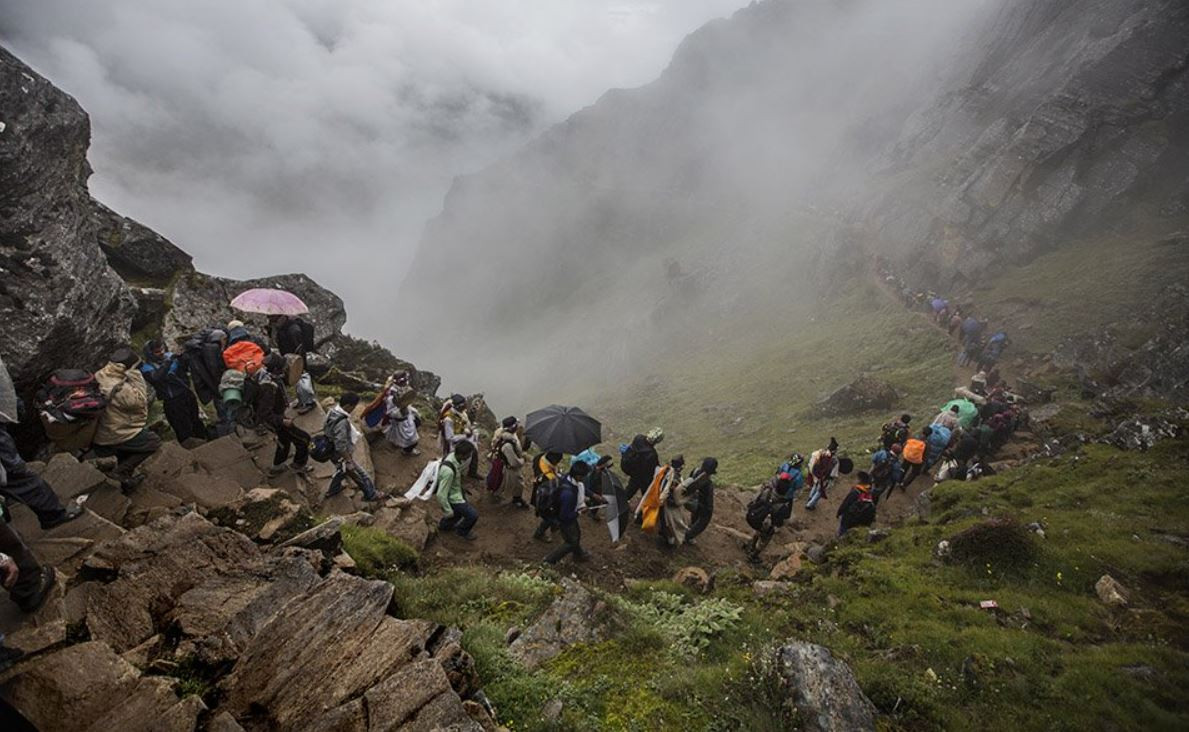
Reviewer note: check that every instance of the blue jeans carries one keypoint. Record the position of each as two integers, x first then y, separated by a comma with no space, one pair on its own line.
462,520
357,475
816,494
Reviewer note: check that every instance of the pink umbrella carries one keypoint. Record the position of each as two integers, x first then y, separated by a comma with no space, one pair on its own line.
269,302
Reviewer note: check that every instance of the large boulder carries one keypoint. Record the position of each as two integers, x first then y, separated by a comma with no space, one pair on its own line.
864,394
200,301
139,254
89,687
819,690
62,304
382,672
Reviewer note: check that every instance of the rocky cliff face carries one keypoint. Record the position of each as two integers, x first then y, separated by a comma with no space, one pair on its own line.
793,130
1073,119
77,278
59,298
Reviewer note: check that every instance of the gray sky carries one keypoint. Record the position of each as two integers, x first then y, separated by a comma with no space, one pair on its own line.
320,135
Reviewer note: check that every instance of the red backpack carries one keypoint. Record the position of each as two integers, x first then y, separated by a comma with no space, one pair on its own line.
71,395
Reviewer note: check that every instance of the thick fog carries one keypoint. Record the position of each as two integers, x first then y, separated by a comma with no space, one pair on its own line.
319,135
322,135
666,221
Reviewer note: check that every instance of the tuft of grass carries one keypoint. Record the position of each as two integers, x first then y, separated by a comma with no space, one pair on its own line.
377,553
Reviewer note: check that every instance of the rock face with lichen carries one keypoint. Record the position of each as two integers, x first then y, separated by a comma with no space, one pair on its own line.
60,302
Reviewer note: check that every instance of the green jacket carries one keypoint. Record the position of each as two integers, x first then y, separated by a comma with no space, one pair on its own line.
449,489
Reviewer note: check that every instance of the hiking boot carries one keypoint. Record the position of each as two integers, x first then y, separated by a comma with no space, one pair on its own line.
276,470
331,494
469,536
9,656
377,496
70,513
302,469
414,452
518,502
543,538
48,579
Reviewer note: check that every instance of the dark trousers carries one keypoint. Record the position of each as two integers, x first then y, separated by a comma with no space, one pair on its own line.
182,414
545,525
571,534
461,521
296,437
28,583
132,452
911,471
356,474
26,487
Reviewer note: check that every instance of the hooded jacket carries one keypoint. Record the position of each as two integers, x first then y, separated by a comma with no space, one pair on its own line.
127,411
169,376
645,463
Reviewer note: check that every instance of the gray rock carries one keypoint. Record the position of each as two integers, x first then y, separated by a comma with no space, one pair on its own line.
325,537
819,690
861,395
572,618
69,478
228,458
61,303
136,252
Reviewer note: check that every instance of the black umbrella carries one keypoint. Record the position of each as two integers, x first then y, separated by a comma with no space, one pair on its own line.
563,429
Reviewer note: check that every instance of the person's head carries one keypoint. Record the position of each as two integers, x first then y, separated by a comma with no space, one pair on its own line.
274,363
458,401
509,423
579,470
553,457
864,478
926,431
401,378
796,460
348,400
955,409
155,348
604,463
897,448
464,450
654,436
220,336
233,324
709,466
832,447
905,418
784,480
678,461
124,356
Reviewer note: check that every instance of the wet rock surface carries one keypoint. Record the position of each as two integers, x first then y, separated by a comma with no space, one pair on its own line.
819,690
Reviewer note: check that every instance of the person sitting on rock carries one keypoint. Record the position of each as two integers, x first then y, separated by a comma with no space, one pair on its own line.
768,511
170,378
342,433
507,463
123,426
858,508
270,406
460,516
568,498
823,471
16,480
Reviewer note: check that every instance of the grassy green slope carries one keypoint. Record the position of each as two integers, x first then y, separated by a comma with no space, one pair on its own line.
1052,657
746,397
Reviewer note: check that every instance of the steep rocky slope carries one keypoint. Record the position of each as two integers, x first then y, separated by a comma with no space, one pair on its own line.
793,132
77,278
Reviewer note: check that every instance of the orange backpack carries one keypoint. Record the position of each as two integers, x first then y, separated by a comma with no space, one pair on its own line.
914,451
244,356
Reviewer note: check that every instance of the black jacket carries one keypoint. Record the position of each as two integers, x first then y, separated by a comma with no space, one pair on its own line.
700,502
646,462
269,403
288,337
